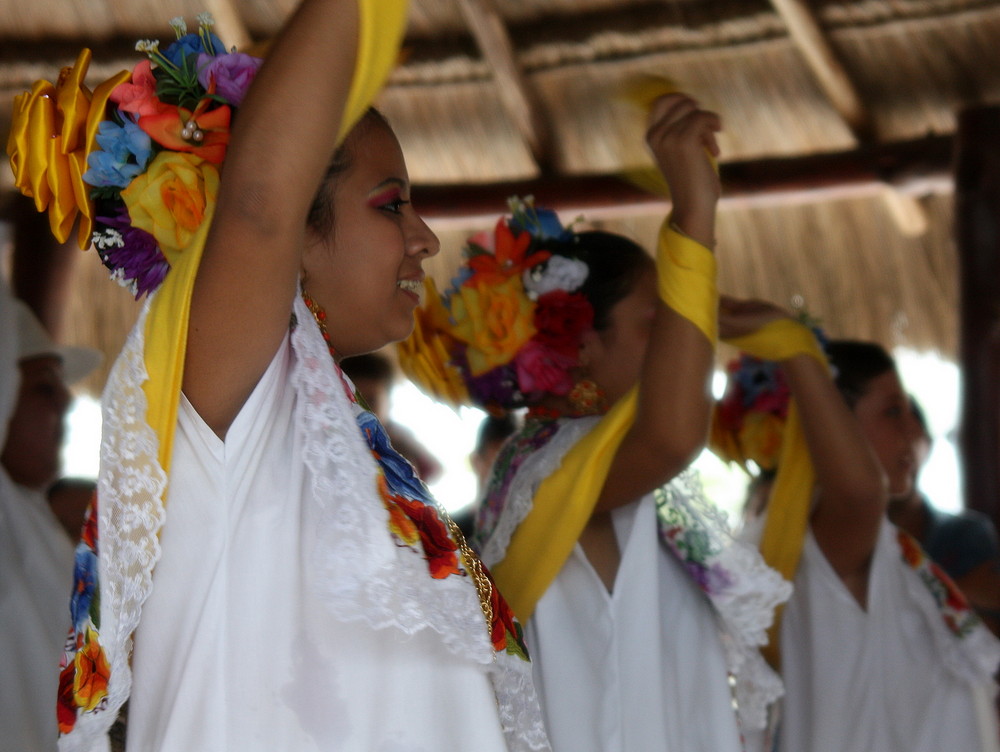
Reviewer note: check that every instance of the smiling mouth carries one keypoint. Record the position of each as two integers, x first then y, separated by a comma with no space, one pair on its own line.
410,285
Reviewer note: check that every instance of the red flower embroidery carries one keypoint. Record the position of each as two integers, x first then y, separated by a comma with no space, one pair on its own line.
66,705
439,548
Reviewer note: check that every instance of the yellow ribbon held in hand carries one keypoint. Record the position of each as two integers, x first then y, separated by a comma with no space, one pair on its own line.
642,91
53,131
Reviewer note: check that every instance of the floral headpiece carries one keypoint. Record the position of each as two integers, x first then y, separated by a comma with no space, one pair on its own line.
138,158
507,330
748,424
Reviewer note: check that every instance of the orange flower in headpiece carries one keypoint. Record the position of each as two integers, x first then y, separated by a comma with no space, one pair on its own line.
495,321
53,131
425,356
204,134
508,259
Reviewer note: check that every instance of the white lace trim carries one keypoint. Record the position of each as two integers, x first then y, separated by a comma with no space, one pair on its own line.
521,496
745,604
393,588
744,607
130,487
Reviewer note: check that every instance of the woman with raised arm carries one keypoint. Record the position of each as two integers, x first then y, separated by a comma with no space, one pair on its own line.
877,648
286,578
638,605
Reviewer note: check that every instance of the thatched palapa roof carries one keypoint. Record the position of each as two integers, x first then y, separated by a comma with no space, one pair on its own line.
836,155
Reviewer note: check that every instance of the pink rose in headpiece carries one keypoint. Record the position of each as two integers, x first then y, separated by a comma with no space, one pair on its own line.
233,74
139,95
542,369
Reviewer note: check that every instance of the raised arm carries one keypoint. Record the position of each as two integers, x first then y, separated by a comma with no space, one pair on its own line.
674,397
282,140
850,494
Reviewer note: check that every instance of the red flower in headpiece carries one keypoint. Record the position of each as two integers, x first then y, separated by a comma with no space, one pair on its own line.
509,258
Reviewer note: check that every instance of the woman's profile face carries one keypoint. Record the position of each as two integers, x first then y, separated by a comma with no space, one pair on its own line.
367,274
616,361
886,418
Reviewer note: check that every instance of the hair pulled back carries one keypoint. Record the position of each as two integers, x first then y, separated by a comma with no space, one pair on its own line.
856,363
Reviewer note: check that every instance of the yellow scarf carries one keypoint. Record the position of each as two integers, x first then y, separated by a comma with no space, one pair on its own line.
788,505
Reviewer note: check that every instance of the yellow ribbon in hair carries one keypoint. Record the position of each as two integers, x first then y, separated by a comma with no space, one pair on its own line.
791,494
565,500
380,28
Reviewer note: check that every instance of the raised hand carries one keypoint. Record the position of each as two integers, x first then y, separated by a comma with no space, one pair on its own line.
740,317
681,136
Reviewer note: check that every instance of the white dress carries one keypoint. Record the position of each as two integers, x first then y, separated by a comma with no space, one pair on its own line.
252,637
892,677
36,566
641,668
645,668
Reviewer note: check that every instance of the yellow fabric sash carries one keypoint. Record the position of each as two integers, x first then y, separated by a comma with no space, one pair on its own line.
565,500
788,504
380,28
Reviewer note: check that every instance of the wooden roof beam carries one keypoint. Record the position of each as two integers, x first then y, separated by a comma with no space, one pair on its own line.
807,36
836,82
515,94
913,169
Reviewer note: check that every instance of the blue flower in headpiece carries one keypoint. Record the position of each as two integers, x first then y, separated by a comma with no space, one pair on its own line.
549,226
191,45
113,163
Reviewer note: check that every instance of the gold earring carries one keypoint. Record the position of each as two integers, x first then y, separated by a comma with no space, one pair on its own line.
587,398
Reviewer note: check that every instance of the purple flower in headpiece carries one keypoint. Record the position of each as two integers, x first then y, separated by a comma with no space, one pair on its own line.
131,254
497,387
233,74
191,45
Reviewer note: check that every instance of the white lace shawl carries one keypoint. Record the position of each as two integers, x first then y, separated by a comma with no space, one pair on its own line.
391,590
744,599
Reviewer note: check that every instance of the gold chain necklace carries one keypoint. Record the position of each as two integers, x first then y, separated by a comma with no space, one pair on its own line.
473,565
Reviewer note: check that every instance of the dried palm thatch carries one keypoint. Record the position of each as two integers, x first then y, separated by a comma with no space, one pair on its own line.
493,92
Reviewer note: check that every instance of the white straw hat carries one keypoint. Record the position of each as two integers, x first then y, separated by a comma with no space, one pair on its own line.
34,342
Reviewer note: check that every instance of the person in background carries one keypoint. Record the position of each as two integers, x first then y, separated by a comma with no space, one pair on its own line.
373,375
877,648
36,553
625,575
964,544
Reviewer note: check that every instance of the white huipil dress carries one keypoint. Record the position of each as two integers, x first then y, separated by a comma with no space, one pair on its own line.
640,668
645,667
235,650
892,677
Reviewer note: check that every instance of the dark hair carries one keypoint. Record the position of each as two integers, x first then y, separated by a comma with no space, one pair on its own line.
494,429
614,262
855,364
320,217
